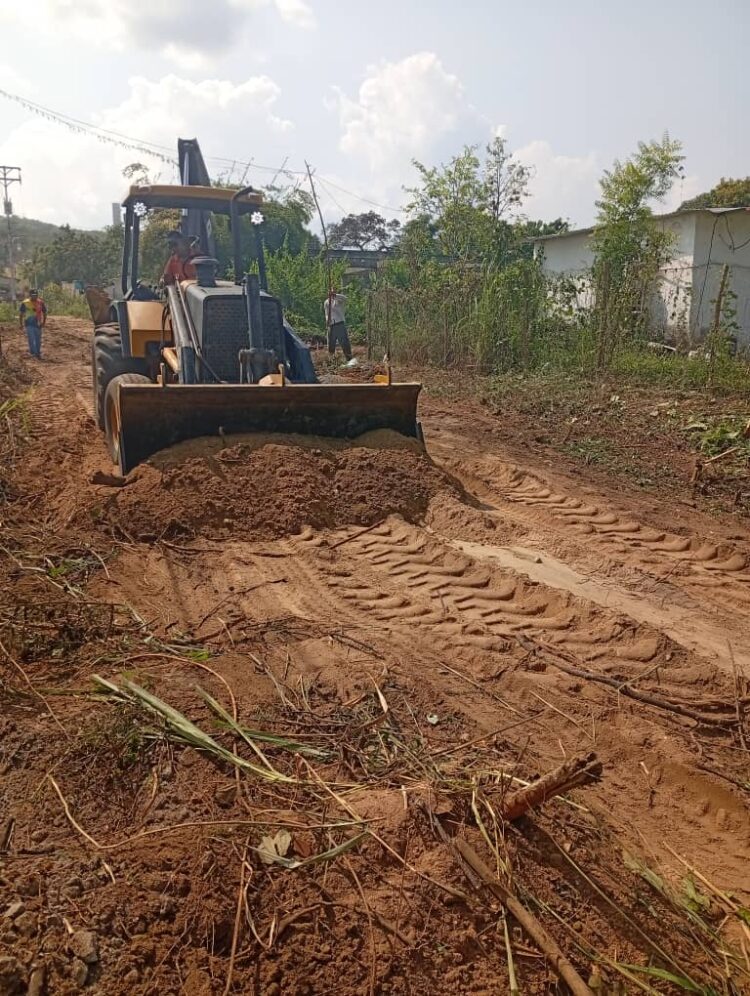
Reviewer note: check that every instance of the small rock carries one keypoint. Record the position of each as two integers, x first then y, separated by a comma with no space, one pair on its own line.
28,886
226,795
73,888
26,924
11,976
80,972
107,480
38,836
167,908
14,910
84,945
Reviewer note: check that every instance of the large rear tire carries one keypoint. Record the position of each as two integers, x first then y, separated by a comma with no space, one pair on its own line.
107,362
111,412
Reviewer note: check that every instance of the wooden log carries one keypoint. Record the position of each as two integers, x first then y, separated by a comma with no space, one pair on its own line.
536,931
574,771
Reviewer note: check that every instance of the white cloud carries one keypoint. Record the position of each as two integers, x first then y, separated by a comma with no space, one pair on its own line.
191,33
400,113
15,82
561,186
296,12
73,177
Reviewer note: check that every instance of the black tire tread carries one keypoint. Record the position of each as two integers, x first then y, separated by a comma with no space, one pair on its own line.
113,445
108,362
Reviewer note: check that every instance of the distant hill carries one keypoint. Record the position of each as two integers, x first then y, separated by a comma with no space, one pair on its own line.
29,234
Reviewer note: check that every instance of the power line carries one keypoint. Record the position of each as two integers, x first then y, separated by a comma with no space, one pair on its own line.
164,153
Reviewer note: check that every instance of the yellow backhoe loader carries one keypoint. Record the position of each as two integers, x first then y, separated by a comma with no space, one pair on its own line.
212,356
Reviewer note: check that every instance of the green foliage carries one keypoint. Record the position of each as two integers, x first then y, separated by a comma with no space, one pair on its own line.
63,302
28,235
301,283
368,230
726,193
153,247
640,365
464,205
721,435
58,300
286,214
629,245
92,257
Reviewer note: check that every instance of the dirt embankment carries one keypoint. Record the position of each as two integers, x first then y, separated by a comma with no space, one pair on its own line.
264,486
375,697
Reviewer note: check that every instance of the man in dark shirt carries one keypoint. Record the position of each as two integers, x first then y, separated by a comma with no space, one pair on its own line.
32,316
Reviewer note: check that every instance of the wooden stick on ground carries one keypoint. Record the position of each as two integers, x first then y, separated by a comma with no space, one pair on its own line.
544,941
555,658
575,771
475,869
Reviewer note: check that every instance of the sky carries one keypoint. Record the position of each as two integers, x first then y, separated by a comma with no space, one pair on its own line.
360,90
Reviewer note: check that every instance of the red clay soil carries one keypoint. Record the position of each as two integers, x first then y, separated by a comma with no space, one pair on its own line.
264,488
379,692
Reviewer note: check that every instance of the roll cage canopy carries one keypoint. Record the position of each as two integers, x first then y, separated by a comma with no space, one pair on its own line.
197,203
215,199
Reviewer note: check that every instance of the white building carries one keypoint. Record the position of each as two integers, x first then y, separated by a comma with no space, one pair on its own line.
704,240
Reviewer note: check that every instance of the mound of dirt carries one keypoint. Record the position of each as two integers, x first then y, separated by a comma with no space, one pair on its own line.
274,485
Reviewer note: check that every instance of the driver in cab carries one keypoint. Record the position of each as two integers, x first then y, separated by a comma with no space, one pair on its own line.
180,264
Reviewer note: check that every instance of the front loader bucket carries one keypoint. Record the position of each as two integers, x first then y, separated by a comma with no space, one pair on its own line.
154,417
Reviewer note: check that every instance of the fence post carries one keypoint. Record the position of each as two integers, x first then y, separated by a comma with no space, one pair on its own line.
603,309
716,329
388,325
445,328
368,325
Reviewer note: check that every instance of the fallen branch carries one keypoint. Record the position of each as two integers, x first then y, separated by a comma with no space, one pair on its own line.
474,868
634,693
356,535
575,771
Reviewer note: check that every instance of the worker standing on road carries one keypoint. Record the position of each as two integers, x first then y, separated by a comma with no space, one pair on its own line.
32,316
180,264
333,309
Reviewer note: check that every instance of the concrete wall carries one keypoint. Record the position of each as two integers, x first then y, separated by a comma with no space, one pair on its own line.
567,254
727,238
682,307
671,303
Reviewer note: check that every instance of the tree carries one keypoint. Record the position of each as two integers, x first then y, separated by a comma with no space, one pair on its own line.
469,202
368,230
93,257
726,193
629,246
137,173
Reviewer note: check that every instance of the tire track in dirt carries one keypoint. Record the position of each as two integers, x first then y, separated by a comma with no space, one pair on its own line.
709,572
429,604
714,576
406,578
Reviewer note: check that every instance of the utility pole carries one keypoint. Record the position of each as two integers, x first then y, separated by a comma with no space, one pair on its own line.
9,175
328,255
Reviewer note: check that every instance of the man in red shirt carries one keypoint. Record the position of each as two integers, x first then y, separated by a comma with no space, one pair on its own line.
180,264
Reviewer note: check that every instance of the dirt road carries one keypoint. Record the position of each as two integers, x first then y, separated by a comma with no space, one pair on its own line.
490,611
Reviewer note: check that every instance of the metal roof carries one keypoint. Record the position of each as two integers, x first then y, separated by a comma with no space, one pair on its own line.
657,217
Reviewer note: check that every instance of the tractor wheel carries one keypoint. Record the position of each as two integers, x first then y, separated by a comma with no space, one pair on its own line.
111,412
107,362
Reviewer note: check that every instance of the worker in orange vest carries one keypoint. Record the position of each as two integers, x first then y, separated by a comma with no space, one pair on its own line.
32,315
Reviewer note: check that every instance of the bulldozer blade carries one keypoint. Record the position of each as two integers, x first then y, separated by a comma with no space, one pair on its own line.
153,417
